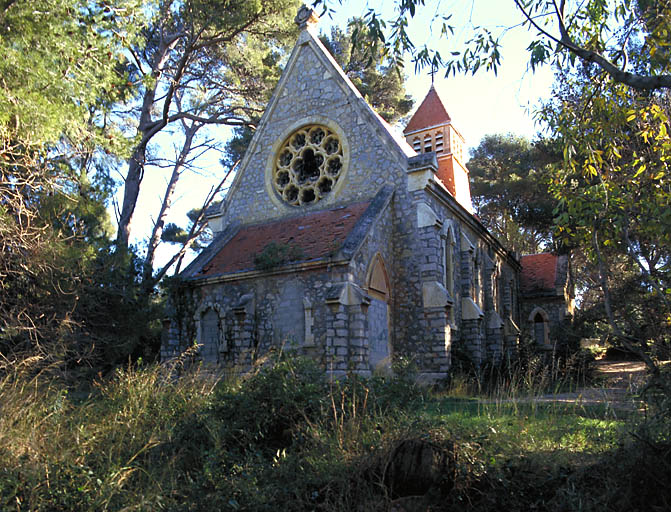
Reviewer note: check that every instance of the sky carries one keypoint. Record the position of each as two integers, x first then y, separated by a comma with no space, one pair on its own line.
478,105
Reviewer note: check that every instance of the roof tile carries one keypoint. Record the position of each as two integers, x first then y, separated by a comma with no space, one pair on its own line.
539,272
431,112
317,234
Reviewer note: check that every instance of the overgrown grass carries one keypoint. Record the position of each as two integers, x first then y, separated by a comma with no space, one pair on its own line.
286,438
532,373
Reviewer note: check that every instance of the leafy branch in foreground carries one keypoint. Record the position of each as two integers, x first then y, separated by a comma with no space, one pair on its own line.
614,191
593,31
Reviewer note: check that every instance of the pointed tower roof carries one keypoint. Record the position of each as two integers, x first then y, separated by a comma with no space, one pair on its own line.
431,112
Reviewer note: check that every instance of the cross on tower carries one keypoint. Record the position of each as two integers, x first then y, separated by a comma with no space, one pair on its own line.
433,71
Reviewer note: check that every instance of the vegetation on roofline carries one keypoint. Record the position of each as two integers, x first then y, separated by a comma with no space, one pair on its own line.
275,254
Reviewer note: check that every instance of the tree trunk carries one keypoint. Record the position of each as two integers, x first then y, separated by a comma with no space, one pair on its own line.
628,342
155,238
147,128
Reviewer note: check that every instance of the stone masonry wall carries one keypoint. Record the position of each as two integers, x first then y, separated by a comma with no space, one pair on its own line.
312,94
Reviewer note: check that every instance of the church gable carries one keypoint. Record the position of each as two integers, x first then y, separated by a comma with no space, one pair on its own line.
318,145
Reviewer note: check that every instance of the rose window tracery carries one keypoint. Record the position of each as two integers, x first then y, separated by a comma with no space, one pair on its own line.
308,165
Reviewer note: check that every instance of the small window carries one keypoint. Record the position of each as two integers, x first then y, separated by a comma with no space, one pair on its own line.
417,144
427,144
448,248
439,143
539,329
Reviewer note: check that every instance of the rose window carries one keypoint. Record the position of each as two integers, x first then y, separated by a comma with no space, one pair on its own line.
308,166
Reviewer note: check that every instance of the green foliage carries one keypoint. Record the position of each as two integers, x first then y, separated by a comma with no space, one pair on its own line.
372,74
60,57
275,254
63,67
509,177
285,437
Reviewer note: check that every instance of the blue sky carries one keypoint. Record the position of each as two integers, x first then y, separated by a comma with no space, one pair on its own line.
478,105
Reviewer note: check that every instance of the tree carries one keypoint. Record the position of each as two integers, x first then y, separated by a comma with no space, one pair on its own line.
198,63
509,179
62,67
373,75
613,192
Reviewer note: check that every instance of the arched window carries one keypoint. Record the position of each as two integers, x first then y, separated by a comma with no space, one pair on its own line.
210,331
540,327
209,339
417,144
477,269
427,144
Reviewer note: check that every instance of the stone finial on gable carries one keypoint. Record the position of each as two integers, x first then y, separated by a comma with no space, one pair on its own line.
306,17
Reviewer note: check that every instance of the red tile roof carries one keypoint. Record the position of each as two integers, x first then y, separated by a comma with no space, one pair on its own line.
430,113
539,272
318,234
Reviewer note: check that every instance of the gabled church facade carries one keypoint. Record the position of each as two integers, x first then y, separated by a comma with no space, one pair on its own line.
346,242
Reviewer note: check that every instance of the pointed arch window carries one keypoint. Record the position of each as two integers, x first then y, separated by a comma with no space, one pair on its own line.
496,277
378,314
417,144
540,327
448,266
378,280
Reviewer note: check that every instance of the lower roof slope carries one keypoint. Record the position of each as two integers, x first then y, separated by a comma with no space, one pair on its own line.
543,274
314,236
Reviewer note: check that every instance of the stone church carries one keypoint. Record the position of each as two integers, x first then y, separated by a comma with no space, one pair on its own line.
341,240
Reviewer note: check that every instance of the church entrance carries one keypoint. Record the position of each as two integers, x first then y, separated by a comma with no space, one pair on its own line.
379,340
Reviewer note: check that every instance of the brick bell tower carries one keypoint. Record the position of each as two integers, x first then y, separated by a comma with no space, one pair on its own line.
431,129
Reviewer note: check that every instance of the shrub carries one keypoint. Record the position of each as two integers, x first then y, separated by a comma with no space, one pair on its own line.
275,254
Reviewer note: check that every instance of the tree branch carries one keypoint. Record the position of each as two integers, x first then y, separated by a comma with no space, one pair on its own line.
197,227
640,82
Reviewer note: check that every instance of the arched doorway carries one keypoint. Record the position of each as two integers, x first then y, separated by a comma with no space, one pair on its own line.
540,326
379,339
209,332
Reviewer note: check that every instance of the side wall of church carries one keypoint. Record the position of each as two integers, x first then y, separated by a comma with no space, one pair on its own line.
286,311
442,251
421,326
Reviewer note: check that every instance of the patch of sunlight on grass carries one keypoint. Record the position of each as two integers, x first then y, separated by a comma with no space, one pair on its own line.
509,429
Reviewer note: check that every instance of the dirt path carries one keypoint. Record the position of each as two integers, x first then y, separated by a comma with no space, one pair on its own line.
621,381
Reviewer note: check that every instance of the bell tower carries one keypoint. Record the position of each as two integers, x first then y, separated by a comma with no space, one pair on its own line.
431,129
